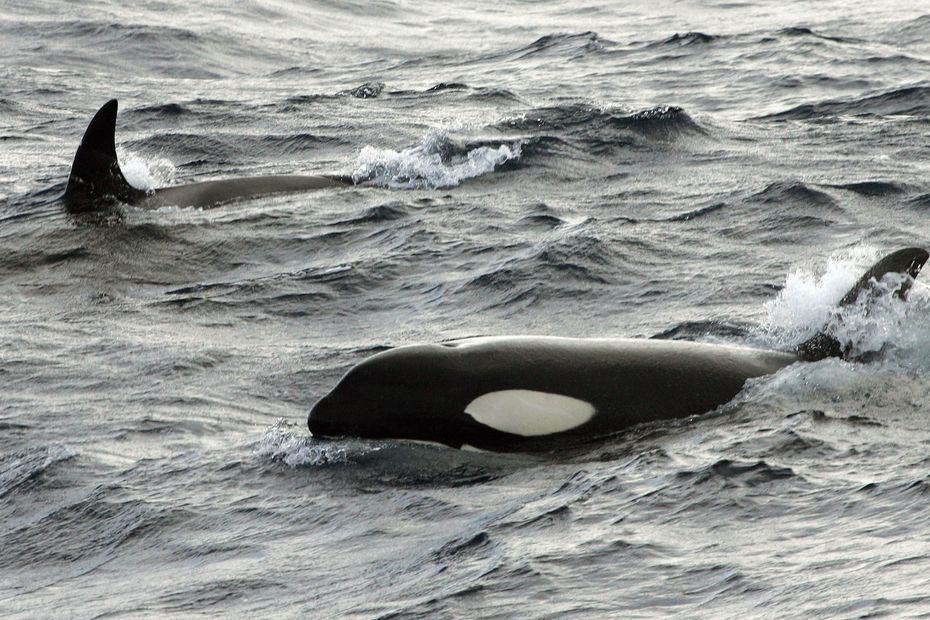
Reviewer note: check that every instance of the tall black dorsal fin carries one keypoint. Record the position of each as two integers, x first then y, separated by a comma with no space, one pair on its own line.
96,178
907,262
100,134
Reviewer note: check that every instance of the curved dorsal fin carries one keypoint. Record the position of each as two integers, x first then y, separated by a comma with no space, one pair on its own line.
907,262
100,134
95,174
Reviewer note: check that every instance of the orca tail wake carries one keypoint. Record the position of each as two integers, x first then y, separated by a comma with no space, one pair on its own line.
906,262
96,179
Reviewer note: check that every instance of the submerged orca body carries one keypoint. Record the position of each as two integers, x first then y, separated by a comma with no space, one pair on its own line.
96,180
538,393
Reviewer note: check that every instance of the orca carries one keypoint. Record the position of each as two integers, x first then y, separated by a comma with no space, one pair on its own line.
531,393
96,181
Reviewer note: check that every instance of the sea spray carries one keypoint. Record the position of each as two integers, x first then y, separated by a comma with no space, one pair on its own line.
147,173
434,163
808,303
282,444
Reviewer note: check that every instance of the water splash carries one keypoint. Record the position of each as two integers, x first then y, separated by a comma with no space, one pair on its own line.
147,173
435,162
807,301
281,444
874,323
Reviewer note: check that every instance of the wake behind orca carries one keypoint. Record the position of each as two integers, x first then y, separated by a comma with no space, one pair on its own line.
528,393
97,182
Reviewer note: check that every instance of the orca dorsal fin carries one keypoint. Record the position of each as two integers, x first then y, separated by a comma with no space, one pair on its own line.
96,178
907,262
100,134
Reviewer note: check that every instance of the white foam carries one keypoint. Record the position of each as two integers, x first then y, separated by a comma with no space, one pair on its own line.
808,304
530,413
297,449
147,174
423,166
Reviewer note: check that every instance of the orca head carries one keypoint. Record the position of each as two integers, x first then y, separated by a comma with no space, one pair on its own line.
403,393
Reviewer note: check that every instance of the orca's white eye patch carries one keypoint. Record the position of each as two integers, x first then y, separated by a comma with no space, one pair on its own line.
530,413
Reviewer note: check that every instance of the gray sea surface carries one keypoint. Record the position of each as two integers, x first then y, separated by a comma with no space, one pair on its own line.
712,171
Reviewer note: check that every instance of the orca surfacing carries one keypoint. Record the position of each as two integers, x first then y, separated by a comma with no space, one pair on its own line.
96,181
528,393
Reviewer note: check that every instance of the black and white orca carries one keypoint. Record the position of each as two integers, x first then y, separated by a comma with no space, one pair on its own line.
96,180
529,393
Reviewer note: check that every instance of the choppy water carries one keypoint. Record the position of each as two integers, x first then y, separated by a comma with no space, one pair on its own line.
711,171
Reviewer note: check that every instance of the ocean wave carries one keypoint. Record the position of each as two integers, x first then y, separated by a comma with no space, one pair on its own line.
579,258
192,147
140,44
368,90
18,468
441,86
378,214
434,163
85,531
804,31
477,93
124,31
921,201
873,188
573,265
566,45
697,213
465,545
287,293
169,110
821,417
541,218
786,443
288,144
687,39
458,90
785,211
663,122
595,126
727,471
552,150
702,330
910,101
796,192
915,30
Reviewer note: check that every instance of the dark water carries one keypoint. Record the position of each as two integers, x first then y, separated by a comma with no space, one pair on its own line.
708,171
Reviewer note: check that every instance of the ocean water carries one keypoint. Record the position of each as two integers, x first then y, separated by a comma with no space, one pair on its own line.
712,171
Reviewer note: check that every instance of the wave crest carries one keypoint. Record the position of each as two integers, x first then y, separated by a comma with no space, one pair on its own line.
911,101
18,468
434,163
